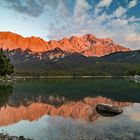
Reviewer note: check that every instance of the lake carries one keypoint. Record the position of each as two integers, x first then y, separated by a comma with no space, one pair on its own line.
64,109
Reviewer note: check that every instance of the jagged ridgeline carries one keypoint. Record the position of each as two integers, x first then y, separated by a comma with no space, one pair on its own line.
6,67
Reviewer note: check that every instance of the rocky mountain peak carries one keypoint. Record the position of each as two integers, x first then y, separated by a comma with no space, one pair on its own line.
87,45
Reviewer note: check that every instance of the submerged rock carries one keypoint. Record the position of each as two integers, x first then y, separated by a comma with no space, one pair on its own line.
135,78
7,137
108,110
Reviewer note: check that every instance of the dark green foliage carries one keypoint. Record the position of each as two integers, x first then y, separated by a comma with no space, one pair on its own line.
123,57
116,64
100,69
5,67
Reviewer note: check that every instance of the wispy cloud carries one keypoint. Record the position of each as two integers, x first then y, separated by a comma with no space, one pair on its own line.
33,7
132,3
120,11
133,37
30,7
104,3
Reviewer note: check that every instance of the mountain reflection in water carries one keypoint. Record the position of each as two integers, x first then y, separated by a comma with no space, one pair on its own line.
84,109
65,109
121,127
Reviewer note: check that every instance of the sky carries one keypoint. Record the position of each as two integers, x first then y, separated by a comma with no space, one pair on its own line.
55,19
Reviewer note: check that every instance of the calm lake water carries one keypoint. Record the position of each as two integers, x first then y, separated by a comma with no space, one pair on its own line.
64,109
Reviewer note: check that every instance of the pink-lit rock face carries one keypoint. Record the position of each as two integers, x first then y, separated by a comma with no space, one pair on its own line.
84,109
87,45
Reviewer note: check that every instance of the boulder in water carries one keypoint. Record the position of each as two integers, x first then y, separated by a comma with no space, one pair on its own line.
108,110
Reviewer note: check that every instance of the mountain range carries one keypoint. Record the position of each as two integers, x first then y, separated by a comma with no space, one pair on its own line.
87,45
84,55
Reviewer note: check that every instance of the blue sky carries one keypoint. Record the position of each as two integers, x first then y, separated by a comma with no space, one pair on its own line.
55,19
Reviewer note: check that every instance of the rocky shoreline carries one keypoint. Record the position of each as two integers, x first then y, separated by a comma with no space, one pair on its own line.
6,80
7,137
135,78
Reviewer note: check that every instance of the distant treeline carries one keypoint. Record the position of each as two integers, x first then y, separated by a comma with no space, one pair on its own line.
100,69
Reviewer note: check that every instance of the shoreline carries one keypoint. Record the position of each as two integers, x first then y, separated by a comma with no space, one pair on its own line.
4,136
67,77
7,80
10,78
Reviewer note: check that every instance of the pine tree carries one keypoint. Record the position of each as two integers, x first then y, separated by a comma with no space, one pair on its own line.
5,67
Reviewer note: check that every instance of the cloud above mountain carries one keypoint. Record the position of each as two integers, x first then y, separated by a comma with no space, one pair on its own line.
55,19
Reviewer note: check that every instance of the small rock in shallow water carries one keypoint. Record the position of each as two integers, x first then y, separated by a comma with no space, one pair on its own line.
108,110
7,137
13,138
21,138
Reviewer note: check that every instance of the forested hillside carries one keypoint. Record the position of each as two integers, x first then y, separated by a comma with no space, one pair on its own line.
60,63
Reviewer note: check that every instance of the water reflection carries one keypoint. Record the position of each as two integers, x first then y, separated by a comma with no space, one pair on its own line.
134,112
65,109
116,89
57,128
33,90
5,92
84,109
